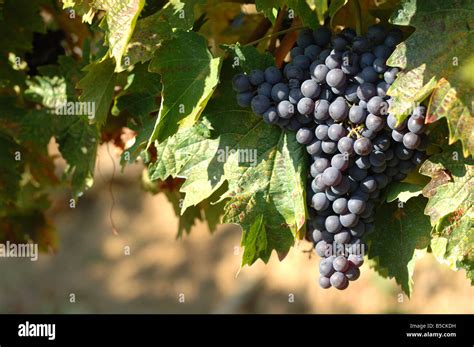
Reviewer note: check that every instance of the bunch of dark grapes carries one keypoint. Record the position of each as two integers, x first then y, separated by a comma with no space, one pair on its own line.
333,93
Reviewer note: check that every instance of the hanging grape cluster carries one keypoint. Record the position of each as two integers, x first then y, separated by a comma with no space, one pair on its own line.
333,93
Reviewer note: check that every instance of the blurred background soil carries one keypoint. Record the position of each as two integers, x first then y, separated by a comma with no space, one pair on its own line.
196,274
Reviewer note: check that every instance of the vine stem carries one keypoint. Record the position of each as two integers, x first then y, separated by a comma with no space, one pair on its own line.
358,16
274,34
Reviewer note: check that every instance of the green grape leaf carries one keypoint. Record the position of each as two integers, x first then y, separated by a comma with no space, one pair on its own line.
248,57
189,76
263,167
446,104
119,23
78,141
149,34
438,68
395,246
98,89
402,191
450,193
451,184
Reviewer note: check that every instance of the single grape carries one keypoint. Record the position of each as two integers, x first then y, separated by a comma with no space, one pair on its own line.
411,140
394,37
260,104
285,109
348,220
356,205
257,77
332,176
379,65
377,106
363,146
351,274
319,202
316,235
322,248
366,91
311,89
357,114
342,237
273,75
339,161
319,73
324,282
336,78
339,110
329,147
339,281
390,75
321,164
241,83
280,92
321,109
304,136
374,123
271,116
345,145
332,224
333,60
416,124
305,38
305,105
368,184
336,132
340,264
321,132
339,206
265,89
293,71
302,61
